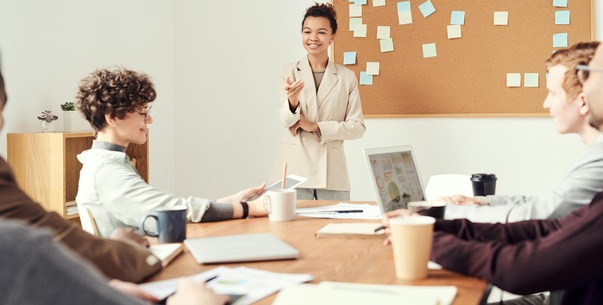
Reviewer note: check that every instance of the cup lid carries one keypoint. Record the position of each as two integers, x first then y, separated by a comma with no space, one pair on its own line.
482,177
412,220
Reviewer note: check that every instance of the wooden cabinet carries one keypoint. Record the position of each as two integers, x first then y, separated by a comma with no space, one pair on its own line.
47,169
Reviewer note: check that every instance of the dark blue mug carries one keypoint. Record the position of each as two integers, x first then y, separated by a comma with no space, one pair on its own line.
170,224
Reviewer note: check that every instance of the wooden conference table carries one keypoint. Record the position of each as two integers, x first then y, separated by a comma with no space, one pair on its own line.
358,260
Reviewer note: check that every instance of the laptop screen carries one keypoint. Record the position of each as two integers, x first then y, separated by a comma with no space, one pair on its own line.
395,177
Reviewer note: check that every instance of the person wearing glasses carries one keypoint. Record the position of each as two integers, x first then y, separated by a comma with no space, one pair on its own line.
320,108
561,255
591,76
568,108
117,104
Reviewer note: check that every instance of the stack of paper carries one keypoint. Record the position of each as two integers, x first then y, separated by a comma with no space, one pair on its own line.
351,294
253,283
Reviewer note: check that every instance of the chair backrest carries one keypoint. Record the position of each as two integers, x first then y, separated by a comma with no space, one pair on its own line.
448,184
87,221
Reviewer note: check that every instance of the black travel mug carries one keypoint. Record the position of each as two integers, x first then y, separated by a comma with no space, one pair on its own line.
483,184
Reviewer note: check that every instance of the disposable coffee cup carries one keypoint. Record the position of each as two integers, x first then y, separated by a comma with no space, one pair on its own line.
435,209
411,238
280,204
170,223
483,184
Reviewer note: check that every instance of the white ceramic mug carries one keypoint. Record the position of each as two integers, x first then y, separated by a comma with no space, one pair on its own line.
280,204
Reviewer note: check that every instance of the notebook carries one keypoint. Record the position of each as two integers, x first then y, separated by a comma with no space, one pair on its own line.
350,229
166,252
239,248
394,176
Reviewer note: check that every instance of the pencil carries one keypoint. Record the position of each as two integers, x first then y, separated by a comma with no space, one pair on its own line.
379,228
283,183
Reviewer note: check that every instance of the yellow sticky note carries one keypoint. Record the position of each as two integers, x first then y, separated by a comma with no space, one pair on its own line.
360,30
355,10
387,45
378,3
372,68
501,18
354,22
513,79
383,32
530,80
429,50
454,31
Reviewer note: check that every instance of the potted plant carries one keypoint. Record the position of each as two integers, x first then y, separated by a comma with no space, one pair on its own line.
72,121
47,117
68,106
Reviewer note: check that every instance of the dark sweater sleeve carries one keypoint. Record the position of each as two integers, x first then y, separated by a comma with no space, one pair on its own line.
547,255
114,258
37,270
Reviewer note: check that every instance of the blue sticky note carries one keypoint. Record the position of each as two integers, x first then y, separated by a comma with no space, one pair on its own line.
560,3
562,17
365,79
360,2
349,58
457,17
560,40
427,8
403,6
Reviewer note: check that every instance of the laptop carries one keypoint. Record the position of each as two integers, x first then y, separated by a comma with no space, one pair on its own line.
239,248
394,176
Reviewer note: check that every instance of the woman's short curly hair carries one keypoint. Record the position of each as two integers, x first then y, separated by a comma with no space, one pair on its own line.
578,54
325,10
114,92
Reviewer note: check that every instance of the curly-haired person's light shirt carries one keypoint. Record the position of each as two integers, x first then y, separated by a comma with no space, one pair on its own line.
112,191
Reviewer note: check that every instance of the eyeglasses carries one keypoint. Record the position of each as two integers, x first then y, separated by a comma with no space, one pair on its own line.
583,71
146,111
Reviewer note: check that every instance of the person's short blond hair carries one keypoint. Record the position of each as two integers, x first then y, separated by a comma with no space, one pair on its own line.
578,54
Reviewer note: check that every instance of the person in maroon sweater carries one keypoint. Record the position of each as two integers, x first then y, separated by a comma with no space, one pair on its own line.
536,255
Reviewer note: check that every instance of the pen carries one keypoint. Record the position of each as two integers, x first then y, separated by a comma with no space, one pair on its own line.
164,300
345,211
284,182
333,211
379,228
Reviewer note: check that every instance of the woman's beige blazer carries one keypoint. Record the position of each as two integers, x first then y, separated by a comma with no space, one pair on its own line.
336,109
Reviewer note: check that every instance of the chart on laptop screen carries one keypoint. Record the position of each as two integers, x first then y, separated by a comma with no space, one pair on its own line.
396,178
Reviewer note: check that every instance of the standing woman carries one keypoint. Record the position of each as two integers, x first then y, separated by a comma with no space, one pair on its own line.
321,108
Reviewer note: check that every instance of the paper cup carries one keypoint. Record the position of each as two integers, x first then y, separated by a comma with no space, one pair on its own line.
411,238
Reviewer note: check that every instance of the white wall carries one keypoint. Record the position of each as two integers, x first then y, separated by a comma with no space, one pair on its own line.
215,64
226,63
48,46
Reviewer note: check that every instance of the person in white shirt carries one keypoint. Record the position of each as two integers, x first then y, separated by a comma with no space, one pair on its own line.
117,104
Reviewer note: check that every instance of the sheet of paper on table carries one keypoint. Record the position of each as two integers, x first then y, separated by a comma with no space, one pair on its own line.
255,284
354,293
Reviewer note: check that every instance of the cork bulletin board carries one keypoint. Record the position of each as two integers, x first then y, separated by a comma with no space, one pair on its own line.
468,75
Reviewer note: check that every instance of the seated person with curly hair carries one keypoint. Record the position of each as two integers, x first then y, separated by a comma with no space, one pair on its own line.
117,103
